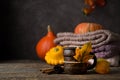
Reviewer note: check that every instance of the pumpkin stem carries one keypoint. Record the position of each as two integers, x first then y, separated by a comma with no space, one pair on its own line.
49,28
56,49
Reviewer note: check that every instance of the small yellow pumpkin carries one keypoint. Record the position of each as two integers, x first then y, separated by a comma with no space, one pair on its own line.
55,56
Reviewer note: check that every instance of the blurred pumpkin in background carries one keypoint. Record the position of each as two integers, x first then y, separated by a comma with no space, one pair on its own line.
85,27
45,43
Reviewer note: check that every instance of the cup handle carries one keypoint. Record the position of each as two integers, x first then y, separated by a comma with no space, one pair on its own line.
94,64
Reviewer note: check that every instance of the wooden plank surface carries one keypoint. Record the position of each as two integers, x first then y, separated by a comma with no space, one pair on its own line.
30,70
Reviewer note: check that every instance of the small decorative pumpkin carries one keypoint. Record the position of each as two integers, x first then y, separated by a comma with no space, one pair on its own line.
55,56
45,43
87,27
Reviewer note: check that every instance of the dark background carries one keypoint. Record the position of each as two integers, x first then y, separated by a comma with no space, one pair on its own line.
24,22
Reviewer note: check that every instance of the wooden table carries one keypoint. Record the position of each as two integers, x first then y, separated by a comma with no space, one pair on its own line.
30,70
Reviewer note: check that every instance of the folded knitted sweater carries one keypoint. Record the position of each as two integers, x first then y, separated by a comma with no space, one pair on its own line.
98,38
106,51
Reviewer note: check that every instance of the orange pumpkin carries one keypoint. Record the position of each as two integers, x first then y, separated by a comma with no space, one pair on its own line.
45,43
87,27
